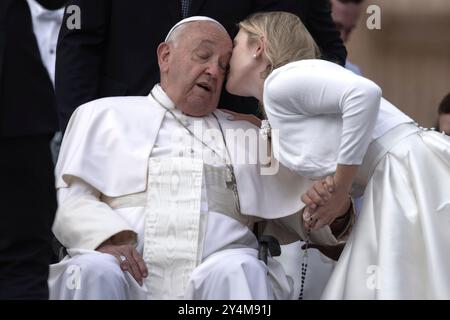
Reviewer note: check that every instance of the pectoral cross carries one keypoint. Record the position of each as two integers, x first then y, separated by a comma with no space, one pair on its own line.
230,181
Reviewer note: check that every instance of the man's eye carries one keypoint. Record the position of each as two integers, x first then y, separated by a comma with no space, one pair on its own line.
203,56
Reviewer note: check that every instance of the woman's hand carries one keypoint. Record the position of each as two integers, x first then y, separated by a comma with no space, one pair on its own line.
234,116
319,194
337,206
324,203
323,208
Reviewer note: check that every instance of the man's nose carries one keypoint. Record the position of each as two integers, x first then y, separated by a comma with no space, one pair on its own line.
214,69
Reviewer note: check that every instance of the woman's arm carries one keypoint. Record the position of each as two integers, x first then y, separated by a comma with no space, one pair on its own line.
310,88
314,88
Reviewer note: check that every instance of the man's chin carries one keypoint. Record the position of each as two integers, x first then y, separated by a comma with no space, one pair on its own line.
199,108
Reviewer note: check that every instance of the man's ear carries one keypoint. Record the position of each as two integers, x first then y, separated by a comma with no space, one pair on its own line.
163,53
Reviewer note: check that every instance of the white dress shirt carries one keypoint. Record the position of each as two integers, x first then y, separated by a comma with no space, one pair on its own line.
46,25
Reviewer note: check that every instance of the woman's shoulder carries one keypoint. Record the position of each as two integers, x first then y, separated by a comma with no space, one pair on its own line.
311,75
305,64
290,80
296,71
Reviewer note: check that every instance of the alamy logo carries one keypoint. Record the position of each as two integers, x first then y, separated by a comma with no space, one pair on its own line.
73,281
373,281
374,20
74,18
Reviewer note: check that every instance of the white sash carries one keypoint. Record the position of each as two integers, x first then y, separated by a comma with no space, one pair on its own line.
173,230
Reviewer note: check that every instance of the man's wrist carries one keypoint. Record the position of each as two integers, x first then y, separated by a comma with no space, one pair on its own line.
124,238
347,212
340,224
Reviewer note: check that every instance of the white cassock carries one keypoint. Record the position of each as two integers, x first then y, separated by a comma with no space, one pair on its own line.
116,173
398,248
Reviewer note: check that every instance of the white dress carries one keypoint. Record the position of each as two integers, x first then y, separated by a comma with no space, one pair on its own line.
398,248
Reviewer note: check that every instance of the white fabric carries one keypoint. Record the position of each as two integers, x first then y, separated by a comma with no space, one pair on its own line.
46,25
244,277
106,152
320,101
98,130
88,274
399,245
173,141
193,19
132,139
172,241
91,275
356,70
221,231
84,222
318,272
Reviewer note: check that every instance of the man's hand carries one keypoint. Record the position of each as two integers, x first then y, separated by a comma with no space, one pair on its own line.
129,259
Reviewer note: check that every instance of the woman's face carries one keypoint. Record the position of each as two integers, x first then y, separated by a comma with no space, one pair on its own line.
242,67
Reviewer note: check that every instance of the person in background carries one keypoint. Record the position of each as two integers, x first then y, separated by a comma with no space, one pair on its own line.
443,123
47,16
28,122
345,14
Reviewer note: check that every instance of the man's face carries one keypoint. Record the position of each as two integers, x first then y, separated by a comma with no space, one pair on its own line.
444,123
345,16
193,68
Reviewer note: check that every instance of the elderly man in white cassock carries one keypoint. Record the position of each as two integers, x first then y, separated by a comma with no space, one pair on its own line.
155,201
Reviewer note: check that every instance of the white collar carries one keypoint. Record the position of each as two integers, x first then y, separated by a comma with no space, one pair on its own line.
162,96
39,11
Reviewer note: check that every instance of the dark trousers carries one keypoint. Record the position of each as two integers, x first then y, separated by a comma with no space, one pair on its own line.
27,209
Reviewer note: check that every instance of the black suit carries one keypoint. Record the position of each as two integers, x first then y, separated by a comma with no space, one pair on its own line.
28,121
114,52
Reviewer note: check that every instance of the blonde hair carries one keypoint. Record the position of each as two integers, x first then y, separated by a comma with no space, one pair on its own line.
286,38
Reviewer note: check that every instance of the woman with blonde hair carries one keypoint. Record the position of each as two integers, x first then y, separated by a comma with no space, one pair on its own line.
335,127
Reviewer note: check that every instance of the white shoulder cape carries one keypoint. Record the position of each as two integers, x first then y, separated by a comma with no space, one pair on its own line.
108,143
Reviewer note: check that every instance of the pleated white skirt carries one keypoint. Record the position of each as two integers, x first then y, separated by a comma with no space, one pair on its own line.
400,245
